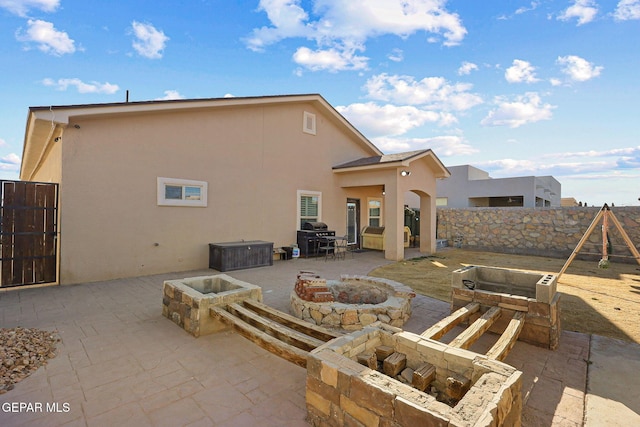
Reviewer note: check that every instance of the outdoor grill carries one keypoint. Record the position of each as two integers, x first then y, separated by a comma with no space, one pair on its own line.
314,226
308,237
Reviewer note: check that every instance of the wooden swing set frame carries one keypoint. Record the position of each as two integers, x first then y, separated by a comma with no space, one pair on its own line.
606,215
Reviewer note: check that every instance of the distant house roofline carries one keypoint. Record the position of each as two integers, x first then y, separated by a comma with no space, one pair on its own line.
488,177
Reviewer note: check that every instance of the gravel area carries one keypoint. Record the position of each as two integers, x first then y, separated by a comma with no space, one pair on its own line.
22,351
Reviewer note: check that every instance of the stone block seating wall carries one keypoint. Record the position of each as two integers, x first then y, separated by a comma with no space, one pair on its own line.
551,232
187,301
511,290
341,391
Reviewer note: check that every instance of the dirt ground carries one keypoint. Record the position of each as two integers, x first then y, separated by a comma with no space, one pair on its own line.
597,301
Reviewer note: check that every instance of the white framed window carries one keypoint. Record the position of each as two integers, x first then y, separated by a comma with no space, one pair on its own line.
309,123
181,192
374,209
309,207
442,201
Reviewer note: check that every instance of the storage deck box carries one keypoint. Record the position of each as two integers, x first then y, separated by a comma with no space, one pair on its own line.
239,255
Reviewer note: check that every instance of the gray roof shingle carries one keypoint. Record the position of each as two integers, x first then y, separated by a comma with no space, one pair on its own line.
385,158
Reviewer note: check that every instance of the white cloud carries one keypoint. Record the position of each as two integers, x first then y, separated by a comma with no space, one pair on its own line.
396,55
628,151
524,109
288,20
450,145
409,104
22,7
333,60
435,92
618,158
466,68
393,145
48,39
169,95
82,87
149,41
389,120
627,10
339,26
622,162
578,69
521,71
584,10
10,162
519,11
443,146
577,170
533,6
508,167
2,142
556,167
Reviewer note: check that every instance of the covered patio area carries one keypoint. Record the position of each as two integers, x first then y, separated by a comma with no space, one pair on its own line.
390,176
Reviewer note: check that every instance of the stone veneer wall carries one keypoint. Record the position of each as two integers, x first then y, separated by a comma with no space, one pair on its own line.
551,232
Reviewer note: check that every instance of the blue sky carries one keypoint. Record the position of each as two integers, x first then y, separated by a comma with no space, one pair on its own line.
516,88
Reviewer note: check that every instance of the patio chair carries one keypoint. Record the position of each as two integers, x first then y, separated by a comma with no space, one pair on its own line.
326,247
341,247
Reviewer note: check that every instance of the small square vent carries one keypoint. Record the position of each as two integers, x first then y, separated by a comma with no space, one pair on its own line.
309,123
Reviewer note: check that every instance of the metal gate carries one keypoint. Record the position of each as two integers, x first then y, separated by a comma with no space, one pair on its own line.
28,233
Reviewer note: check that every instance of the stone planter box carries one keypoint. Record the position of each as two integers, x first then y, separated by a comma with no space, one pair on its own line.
512,290
186,301
340,391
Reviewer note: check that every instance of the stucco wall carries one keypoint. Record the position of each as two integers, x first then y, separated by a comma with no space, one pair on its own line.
253,159
50,170
541,231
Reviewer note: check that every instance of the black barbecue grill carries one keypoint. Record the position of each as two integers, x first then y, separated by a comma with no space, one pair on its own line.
314,226
310,235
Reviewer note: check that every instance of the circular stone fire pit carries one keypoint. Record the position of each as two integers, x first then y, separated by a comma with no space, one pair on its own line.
352,302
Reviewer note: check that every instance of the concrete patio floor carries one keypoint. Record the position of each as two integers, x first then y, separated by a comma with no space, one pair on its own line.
120,362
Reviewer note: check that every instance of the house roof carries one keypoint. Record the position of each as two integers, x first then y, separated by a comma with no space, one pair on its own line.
46,124
395,160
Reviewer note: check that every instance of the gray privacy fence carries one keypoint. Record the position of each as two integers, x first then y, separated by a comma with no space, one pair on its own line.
553,232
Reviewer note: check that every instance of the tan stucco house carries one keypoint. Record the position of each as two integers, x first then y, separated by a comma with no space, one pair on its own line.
146,186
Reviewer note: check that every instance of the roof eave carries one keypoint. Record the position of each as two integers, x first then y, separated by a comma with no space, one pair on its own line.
376,166
440,171
42,129
54,116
